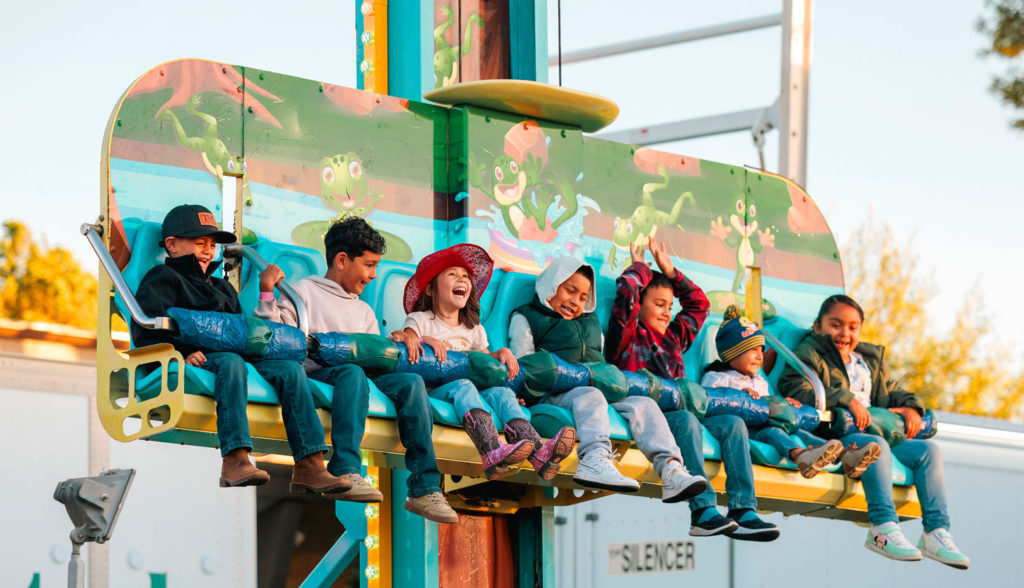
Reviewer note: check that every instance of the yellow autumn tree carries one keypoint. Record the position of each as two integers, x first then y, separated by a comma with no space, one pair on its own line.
957,370
41,283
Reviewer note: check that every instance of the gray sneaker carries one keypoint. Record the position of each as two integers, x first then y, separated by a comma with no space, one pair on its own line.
432,507
597,470
857,459
677,484
359,492
811,460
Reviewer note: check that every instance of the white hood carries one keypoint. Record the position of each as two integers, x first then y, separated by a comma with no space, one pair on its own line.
559,271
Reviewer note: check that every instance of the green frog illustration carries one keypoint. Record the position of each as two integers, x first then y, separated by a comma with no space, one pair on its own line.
508,183
344,187
645,220
746,247
216,157
446,57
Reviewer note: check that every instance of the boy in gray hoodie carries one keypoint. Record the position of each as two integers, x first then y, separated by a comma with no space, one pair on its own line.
332,302
560,320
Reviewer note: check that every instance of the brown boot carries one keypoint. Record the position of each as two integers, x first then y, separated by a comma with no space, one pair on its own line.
236,470
309,476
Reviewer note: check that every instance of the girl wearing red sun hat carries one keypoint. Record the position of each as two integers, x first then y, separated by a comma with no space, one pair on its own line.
443,302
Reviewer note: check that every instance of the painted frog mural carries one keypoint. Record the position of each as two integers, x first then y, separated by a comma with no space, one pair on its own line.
746,247
214,152
645,220
345,187
446,57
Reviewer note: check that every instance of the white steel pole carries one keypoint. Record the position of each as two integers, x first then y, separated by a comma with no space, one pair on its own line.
797,17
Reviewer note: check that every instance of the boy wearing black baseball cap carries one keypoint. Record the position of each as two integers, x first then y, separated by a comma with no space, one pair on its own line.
190,236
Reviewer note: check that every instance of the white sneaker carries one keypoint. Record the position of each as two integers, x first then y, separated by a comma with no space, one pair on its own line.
597,470
888,540
939,546
677,484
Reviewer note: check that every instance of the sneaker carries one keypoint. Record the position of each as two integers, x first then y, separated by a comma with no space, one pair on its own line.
811,460
677,484
547,457
432,507
857,459
888,540
939,546
712,524
597,470
359,492
750,527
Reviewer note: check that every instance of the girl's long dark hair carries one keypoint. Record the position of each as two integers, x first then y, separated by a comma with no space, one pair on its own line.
835,299
469,315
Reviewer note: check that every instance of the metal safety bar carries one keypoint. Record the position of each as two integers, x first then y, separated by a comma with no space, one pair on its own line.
94,233
819,389
236,251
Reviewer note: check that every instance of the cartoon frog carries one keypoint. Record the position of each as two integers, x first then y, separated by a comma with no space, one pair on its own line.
746,248
216,157
446,58
645,220
344,187
506,182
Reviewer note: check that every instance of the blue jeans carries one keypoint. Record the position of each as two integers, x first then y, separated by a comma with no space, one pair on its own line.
731,432
464,395
415,426
305,433
350,402
924,458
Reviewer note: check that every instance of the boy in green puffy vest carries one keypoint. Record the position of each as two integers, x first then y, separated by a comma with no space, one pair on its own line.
561,320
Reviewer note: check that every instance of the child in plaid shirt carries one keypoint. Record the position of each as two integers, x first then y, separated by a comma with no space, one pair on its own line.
644,334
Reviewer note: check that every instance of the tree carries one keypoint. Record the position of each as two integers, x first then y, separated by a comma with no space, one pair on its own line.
1005,27
959,370
43,284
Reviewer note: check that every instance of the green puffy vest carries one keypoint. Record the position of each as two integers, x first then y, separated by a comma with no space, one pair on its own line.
575,341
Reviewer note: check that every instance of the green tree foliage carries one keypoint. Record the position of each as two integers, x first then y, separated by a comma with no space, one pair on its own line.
1005,27
959,370
43,284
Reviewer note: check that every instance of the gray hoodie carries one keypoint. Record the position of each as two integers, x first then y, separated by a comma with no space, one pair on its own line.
520,336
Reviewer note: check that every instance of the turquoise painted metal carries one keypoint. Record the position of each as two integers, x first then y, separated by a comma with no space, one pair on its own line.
414,542
352,516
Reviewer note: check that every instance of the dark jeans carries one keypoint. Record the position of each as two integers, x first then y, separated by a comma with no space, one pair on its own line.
731,432
349,405
305,434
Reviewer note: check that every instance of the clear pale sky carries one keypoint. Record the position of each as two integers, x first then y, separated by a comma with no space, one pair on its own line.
901,122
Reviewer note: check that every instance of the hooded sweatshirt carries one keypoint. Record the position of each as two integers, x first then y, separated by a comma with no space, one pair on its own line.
537,326
329,308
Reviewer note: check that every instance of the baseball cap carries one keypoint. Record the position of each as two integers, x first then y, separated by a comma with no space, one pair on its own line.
193,220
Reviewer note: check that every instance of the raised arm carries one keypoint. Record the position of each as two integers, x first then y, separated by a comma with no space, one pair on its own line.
626,308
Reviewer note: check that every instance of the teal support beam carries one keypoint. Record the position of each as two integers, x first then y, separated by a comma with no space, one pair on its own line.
359,43
535,546
352,516
528,39
413,541
410,48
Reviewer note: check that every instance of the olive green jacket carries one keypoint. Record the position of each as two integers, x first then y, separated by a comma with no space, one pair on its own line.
821,355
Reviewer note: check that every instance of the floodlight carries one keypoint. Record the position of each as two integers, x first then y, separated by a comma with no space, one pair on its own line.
93,505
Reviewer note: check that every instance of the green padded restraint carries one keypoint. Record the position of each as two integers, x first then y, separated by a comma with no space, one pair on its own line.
373,353
259,337
608,379
541,371
486,371
694,397
781,414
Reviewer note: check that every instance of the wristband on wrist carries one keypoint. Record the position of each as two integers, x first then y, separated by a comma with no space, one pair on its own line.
266,296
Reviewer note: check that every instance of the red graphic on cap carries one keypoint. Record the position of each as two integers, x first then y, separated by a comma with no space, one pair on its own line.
205,218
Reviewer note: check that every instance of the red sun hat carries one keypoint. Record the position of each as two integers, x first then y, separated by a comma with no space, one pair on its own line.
467,255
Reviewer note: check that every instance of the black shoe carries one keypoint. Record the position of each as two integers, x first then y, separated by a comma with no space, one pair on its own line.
716,525
752,528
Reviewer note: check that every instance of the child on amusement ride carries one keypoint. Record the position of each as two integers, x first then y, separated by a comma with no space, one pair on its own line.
442,300
560,320
855,378
332,302
740,346
185,280
643,334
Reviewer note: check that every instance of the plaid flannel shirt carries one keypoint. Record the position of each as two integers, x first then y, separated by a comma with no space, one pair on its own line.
632,346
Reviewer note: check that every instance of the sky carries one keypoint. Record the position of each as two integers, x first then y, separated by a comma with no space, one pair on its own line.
901,123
